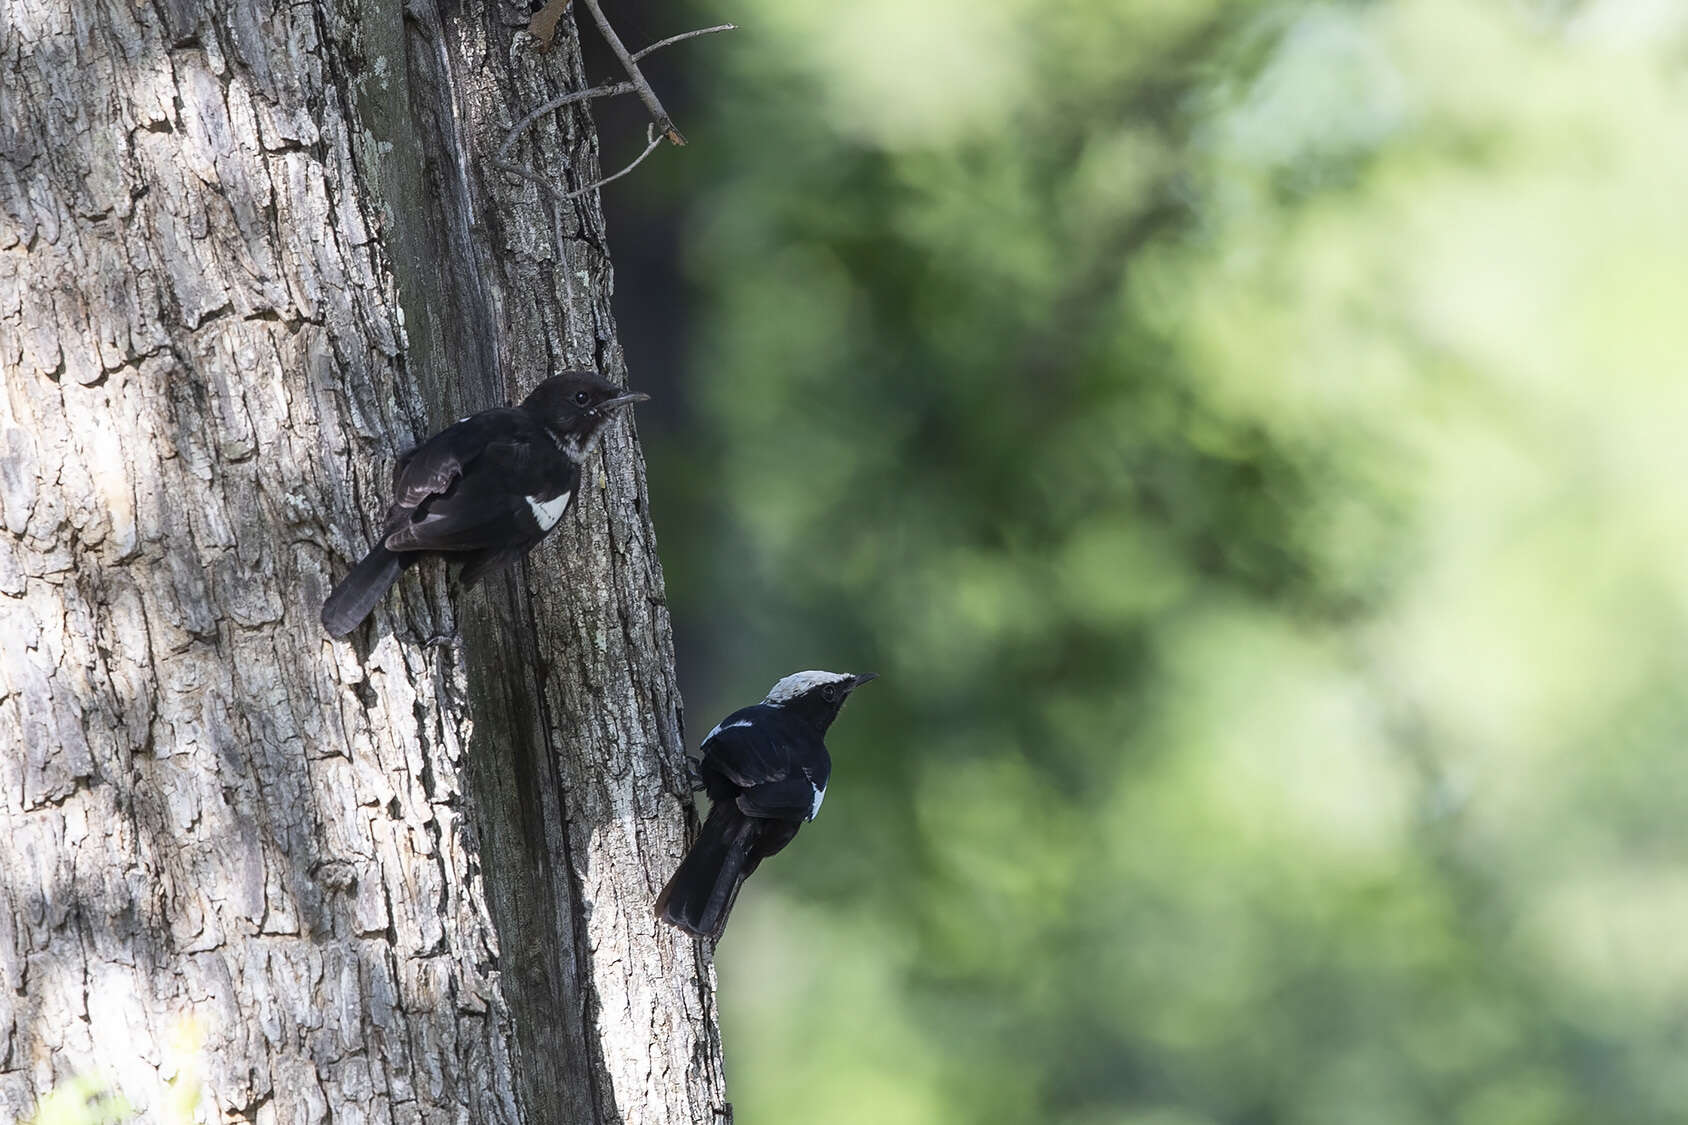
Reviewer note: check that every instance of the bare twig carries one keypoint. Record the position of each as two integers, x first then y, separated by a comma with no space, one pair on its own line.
611,90
640,86
635,85
527,174
682,37
651,135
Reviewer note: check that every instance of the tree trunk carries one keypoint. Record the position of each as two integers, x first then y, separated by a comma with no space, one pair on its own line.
247,254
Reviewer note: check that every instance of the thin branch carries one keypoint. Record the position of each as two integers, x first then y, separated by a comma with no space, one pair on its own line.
655,140
682,37
527,174
611,90
640,86
636,85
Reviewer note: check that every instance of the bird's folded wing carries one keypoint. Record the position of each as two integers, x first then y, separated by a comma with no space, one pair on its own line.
479,502
742,751
792,799
432,468
466,518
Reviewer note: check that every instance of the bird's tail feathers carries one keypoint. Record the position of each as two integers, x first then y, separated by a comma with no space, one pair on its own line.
358,592
704,887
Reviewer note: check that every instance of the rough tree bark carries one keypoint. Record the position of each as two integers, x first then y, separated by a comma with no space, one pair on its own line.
249,251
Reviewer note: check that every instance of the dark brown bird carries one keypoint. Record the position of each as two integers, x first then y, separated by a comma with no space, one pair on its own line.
483,491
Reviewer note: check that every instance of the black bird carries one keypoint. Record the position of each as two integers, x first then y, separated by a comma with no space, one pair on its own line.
765,769
483,490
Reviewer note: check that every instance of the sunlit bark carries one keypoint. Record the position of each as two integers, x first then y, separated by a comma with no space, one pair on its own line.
248,252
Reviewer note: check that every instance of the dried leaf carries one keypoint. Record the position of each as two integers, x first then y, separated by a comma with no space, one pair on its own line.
543,25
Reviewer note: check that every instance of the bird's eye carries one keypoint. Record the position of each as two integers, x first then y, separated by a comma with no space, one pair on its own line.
829,693
581,398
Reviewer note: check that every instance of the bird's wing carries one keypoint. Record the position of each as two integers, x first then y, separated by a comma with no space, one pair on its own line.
479,501
746,752
791,799
432,467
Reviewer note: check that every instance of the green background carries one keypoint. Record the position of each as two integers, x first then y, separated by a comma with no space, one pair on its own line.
1249,439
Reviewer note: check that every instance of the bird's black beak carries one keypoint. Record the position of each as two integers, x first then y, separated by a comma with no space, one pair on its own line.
862,679
620,401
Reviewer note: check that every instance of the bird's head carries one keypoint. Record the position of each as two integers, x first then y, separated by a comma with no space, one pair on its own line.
815,695
575,406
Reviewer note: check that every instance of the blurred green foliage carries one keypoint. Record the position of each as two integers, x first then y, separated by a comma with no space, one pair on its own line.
1249,439
82,1100
169,1095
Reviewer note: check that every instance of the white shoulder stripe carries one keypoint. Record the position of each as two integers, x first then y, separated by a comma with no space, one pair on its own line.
719,727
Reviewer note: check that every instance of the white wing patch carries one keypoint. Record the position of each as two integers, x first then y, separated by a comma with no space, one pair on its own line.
719,727
797,683
546,513
815,805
